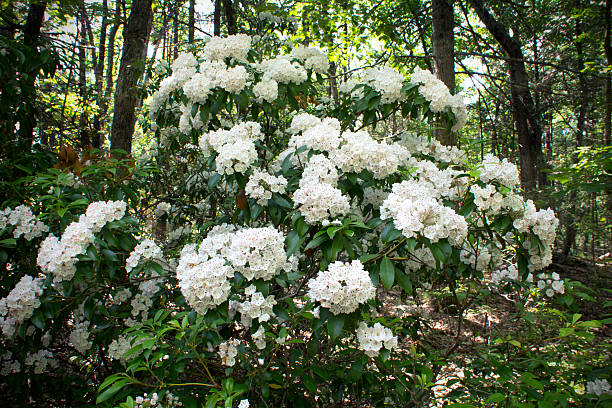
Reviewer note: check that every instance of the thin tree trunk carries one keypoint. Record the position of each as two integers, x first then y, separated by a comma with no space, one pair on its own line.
608,90
31,35
99,74
175,30
443,44
135,40
523,108
333,85
191,35
83,125
217,18
230,17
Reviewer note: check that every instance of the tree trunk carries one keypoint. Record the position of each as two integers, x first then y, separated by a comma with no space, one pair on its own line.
523,109
230,17
83,125
217,18
191,34
175,30
608,91
443,44
31,35
131,67
99,74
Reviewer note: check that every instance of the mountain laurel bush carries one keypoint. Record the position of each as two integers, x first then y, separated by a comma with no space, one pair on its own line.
244,258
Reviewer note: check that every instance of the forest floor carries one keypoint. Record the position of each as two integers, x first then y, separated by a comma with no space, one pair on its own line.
494,316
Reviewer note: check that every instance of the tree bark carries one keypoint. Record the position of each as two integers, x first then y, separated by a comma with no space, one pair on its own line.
131,67
217,19
31,35
523,109
608,90
191,35
110,64
175,30
443,44
97,138
83,125
230,17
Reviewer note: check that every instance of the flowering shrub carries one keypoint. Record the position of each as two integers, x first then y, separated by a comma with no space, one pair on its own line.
278,227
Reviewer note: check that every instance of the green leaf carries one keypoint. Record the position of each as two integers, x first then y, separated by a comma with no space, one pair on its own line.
389,233
213,180
335,325
281,202
497,397
337,246
9,243
566,331
387,273
529,379
293,242
404,281
316,242
112,390
441,250
39,319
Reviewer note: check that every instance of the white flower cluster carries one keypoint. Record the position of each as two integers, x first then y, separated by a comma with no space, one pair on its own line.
444,183
509,273
198,79
162,208
235,147
415,211
79,337
429,146
228,350
598,387
203,280
258,253
120,296
312,58
266,90
374,196
419,258
20,303
59,257
360,151
153,400
487,199
319,202
550,284
143,301
9,365
255,307
372,339
144,251
436,92
244,404
262,184
323,135
120,346
215,74
259,337
483,258
282,70
24,221
342,287
502,171
543,224
387,81
235,47
41,361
